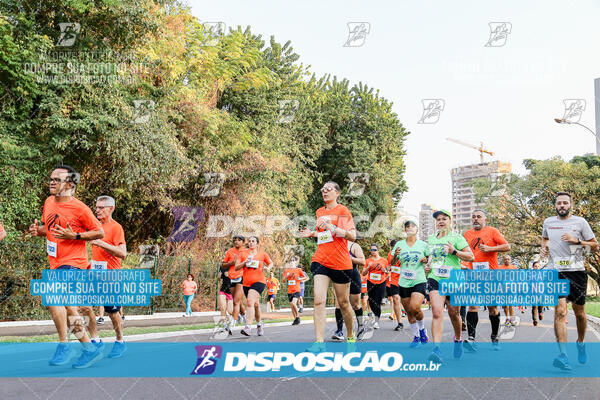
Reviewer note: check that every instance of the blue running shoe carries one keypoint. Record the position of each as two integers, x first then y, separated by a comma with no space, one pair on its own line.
117,350
423,336
581,354
562,362
436,355
99,344
415,342
63,354
458,349
88,358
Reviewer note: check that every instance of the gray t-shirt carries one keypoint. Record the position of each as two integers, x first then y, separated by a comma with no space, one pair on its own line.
563,255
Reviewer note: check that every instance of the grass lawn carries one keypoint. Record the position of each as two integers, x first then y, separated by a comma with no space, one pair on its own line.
593,308
134,331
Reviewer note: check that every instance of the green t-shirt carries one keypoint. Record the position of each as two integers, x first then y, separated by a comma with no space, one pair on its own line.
440,260
412,271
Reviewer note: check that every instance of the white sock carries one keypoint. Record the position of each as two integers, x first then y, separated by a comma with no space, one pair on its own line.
96,339
414,329
420,324
120,341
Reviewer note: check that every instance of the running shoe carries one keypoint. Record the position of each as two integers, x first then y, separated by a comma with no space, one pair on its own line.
100,321
99,344
338,335
360,330
541,317
507,322
259,329
423,336
581,354
415,342
88,358
562,362
464,327
123,318
117,350
316,347
399,327
62,355
296,321
244,319
535,322
351,345
246,331
301,309
390,317
458,348
495,344
436,355
375,325
370,314
470,345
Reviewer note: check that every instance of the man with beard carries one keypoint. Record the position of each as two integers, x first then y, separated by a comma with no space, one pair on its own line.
563,237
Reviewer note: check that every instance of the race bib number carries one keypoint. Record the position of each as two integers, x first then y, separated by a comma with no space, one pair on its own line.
324,237
409,274
563,262
271,290
253,264
396,270
442,272
363,285
374,276
236,280
292,282
51,248
99,264
481,265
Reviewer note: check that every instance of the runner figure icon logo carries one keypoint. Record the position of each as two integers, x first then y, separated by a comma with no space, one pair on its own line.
207,359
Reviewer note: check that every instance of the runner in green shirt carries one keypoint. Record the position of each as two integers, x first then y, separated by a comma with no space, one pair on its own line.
412,254
447,248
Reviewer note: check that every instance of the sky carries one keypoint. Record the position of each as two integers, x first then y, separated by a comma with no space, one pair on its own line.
505,95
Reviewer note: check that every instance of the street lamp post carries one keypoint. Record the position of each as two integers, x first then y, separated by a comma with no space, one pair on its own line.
564,121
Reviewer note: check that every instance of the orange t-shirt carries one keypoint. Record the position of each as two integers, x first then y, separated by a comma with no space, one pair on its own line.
488,236
80,218
363,284
332,252
253,275
394,278
189,287
293,275
375,268
230,256
272,285
502,266
113,235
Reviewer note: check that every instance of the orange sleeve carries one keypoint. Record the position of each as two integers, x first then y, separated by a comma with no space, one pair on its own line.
120,236
267,259
499,238
345,220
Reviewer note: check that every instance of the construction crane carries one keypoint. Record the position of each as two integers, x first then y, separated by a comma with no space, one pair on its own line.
478,148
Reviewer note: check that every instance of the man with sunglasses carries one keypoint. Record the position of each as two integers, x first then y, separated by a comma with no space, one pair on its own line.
67,225
485,242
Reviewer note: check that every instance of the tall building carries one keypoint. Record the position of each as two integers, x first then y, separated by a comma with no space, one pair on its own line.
463,198
426,221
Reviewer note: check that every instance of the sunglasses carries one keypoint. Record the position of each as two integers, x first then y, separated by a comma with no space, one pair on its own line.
373,250
327,189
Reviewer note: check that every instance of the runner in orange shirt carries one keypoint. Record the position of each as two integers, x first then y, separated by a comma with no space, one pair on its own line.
68,224
364,295
107,253
509,311
294,276
253,261
2,232
272,289
393,285
377,267
485,243
237,288
331,262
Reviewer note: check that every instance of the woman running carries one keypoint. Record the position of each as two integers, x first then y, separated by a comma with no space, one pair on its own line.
392,288
331,262
412,254
235,276
377,268
254,262
447,248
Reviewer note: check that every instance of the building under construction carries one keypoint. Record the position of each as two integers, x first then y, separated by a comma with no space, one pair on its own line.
463,197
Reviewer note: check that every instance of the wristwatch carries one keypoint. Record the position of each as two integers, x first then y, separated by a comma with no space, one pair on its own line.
78,236
578,241
454,252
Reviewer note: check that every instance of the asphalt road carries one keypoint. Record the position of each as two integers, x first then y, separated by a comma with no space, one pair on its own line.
326,388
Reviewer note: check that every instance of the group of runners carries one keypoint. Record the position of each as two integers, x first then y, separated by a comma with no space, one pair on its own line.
411,272
67,225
